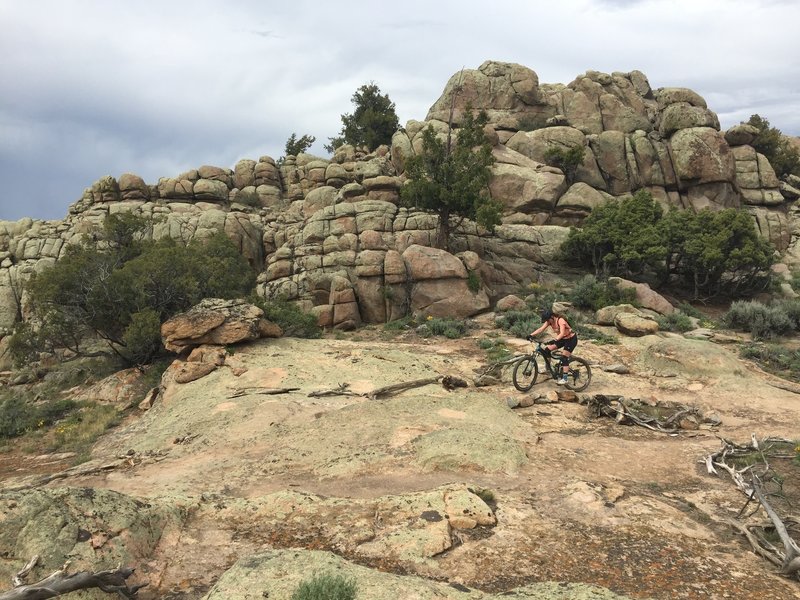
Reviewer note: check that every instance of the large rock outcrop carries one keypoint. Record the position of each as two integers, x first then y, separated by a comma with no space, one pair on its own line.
332,234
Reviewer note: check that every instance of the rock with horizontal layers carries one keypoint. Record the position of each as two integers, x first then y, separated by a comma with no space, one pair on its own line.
645,296
216,321
510,302
635,325
608,314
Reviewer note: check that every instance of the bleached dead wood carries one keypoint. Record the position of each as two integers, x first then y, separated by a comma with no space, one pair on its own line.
260,390
788,559
496,367
60,583
19,578
391,390
342,390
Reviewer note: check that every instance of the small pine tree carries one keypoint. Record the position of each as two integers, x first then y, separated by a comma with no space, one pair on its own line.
295,146
451,178
372,123
770,142
566,160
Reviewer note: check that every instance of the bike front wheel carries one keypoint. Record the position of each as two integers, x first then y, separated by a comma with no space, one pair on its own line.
580,374
525,372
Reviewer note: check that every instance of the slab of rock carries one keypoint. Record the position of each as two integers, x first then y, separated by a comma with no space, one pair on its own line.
645,296
510,302
216,321
635,325
607,314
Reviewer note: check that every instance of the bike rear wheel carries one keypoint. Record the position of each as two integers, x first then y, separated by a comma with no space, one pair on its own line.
525,372
580,374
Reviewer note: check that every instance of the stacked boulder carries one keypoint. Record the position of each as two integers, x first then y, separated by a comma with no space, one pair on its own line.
333,235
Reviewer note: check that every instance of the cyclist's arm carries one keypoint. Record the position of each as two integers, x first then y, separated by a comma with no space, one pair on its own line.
540,330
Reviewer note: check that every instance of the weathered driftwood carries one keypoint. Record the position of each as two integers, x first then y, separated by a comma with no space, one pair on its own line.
788,559
342,390
391,390
19,578
496,367
661,417
259,390
60,583
448,381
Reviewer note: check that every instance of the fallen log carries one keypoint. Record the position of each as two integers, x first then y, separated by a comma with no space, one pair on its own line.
259,390
391,390
788,559
60,583
342,390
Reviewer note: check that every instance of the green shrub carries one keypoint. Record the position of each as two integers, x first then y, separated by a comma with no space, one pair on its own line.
775,359
712,252
18,415
289,317
677,321
690,311
496,350
566,160
326,586
449,328
762,321
142,337
99,288
401,324
473,281
589,293
248,197
586,332
519,323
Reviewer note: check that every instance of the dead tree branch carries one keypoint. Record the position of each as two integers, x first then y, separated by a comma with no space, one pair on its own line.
60,583
788,559
391,390
260,390
342,390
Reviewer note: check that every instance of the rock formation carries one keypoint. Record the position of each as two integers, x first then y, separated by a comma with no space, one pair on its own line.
332,234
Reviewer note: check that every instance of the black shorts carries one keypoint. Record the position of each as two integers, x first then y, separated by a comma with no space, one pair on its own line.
567,344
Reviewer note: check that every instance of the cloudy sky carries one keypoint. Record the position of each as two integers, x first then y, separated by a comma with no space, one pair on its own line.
155,87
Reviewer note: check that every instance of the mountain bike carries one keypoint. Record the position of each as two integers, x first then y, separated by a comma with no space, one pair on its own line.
543,361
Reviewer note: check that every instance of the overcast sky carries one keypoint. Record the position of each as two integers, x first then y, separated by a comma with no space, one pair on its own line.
155,87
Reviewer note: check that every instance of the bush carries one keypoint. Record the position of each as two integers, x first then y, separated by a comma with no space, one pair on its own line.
762,321
677,321
326,586
142,337
496,350
449,328
774,359
118,280
566,160
292,320
473,281
18,416
712,252
402,324
520,323
248,197
589,293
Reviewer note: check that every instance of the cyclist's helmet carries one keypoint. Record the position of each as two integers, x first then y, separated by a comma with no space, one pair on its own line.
546,314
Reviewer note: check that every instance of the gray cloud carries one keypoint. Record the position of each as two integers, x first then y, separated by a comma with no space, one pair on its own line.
93,88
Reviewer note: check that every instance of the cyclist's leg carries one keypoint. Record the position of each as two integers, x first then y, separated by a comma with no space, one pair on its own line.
566,351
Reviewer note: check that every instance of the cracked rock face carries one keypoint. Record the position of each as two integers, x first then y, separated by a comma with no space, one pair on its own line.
328,232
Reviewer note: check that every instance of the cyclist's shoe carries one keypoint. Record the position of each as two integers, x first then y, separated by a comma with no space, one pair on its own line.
563,380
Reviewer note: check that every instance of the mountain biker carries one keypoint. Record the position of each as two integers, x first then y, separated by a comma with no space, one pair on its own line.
566,339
